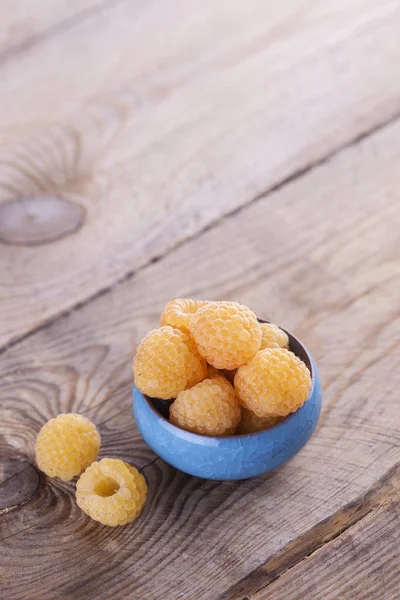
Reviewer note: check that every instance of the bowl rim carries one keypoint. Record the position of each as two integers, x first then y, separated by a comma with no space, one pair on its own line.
264,432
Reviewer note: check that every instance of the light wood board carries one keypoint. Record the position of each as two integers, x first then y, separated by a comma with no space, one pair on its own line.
363,563
24,24
156,119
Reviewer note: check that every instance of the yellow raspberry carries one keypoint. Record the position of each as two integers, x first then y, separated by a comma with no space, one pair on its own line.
251,423
166,363
111,491
227,334
273,337
66,445
209,408
274,383
179,312
223,379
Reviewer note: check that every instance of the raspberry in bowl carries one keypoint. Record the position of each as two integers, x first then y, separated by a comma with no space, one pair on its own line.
245,400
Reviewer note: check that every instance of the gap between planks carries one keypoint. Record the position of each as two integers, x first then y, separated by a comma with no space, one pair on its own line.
387,489
297,174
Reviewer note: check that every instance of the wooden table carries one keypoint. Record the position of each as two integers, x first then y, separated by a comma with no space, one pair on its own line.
219,149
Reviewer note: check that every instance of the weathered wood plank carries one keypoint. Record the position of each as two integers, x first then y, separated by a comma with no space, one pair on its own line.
318,257
363,563
25,23
160,47
384,491
163,128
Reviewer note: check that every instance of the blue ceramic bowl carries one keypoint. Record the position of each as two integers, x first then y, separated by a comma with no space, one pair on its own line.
232,457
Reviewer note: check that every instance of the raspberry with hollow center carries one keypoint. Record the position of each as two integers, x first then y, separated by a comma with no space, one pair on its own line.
209,408
179,312
273,337
166,363
251,423
111,491
227,334
66,445
274,383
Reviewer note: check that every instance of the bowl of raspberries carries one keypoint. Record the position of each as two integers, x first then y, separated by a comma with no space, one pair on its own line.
222,394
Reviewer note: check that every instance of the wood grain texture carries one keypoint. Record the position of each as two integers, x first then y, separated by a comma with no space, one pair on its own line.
318,258
166,116
25,23
36,221
19,481
362,564
385,491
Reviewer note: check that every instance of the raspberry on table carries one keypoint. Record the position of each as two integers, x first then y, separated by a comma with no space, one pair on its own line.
179,312
273,337
209,408
166,363
227,334
66,445
251,423
111,491
274,383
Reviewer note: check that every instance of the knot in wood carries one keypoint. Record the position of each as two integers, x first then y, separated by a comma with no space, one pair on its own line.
32,221
19,481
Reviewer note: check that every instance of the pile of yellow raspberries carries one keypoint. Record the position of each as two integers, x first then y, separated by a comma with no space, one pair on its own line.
224,372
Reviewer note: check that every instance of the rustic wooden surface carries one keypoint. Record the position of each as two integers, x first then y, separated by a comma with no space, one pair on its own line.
362,563
220,149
